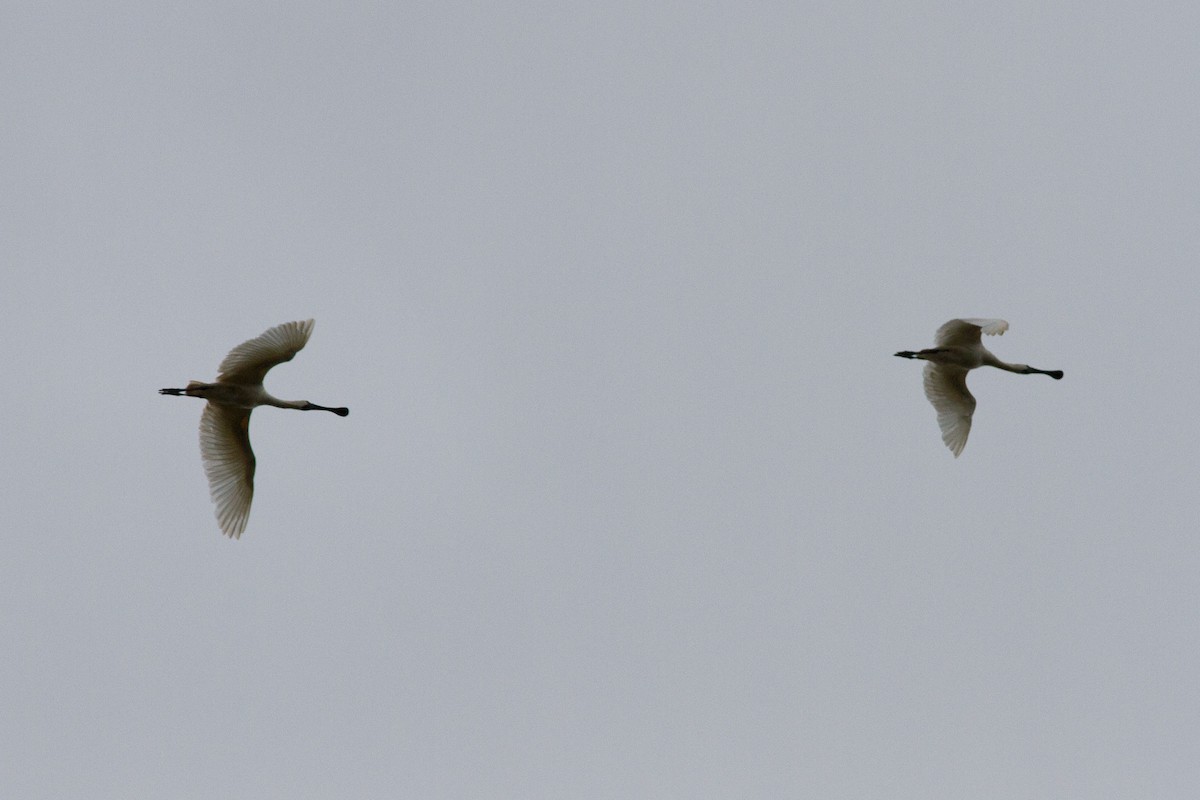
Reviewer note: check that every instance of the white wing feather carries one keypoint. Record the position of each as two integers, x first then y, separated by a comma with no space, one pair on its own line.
250,361
946,388
228,463
965,332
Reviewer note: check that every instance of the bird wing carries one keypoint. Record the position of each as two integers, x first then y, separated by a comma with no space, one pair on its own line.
229,464
965,332
249,361
946,388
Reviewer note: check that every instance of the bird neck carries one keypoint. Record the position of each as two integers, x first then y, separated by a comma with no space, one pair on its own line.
992,361
275,401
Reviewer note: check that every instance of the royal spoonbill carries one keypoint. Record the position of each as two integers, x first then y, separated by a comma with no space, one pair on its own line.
225,423
957,351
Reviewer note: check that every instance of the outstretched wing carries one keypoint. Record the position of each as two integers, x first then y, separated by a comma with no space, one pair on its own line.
965,332
229,464
249,361
946,388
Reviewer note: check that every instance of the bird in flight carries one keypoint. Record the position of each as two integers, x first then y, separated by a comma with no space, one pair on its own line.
225,423
958,350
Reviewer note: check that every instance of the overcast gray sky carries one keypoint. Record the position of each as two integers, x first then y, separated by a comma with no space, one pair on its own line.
633,499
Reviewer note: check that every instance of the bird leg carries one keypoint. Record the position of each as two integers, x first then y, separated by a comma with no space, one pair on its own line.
193,389
923,354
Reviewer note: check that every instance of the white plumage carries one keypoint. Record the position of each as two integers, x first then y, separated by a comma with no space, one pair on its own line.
225,423
958,350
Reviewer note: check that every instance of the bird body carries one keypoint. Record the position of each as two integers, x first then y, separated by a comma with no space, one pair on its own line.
958,350
225,448
238,395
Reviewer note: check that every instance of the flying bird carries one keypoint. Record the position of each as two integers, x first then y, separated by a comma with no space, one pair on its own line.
225,423
959,350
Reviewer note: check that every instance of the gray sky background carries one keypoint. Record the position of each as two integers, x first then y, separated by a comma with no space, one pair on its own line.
633,500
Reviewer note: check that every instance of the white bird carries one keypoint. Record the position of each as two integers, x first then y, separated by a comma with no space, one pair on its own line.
958,351
225,423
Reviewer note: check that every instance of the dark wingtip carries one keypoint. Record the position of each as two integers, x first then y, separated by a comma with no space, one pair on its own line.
906,354
344,412
1056,374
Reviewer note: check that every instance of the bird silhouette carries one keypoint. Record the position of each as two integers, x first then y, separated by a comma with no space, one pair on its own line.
225,424
958,350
